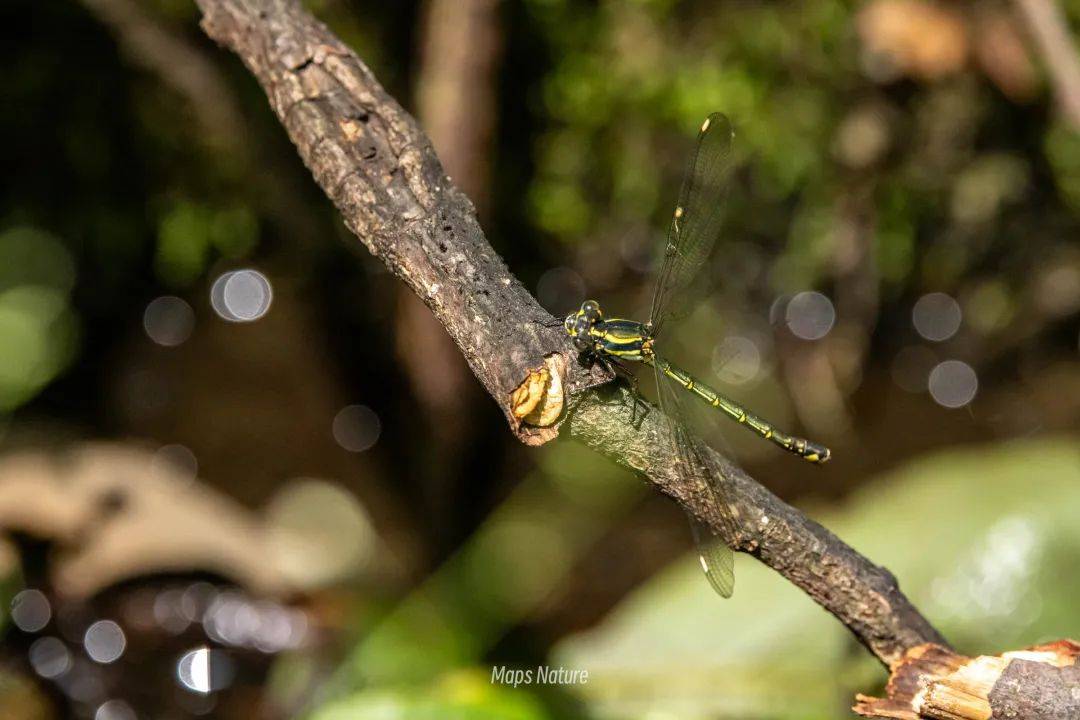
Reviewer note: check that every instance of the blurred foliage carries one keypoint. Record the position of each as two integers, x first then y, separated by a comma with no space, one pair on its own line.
978,548
462,695
38,329
886,149
948,174
522,554
623,69
187,234
1062,147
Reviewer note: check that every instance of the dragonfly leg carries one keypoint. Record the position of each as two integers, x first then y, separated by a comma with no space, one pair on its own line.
621,370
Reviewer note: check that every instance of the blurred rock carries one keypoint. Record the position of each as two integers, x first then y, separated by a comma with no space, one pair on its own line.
117,512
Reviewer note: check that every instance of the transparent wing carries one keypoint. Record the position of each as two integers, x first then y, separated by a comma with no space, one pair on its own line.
698,471
696,221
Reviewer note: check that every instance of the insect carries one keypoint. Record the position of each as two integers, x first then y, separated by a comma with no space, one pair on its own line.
692,234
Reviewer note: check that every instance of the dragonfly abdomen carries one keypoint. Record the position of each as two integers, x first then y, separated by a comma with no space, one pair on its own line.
802,447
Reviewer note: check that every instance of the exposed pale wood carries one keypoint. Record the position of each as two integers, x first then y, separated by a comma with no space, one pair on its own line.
933,683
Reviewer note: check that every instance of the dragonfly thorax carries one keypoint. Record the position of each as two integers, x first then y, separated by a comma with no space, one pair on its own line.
625,339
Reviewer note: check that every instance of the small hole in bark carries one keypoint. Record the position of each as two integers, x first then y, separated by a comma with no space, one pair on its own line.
442,247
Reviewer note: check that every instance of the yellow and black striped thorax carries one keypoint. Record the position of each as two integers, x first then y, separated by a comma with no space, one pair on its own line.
624,339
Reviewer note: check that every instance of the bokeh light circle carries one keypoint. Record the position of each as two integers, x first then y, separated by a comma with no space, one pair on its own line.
736,360
114,710
810,315
30,610
356,428
193,670
168,320
49,657
953,383
241,295
203,670
936,316
319,532
104,642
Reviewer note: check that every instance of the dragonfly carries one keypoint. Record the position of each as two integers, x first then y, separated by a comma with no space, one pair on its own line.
692,234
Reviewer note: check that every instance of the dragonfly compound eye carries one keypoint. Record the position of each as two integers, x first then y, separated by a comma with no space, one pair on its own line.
591,310
582,325
569,323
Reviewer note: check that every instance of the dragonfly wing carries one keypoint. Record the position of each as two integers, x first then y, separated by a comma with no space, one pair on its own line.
696,221
717,559
699,473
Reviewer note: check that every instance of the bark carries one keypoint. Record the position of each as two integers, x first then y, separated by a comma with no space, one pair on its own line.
455,99
372,160
933,683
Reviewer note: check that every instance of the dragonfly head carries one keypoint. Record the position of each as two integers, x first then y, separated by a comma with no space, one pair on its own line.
579,325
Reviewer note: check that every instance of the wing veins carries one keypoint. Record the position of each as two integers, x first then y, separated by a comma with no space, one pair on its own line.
697,471
696,222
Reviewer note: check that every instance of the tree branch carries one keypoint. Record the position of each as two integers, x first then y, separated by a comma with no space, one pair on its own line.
373,161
